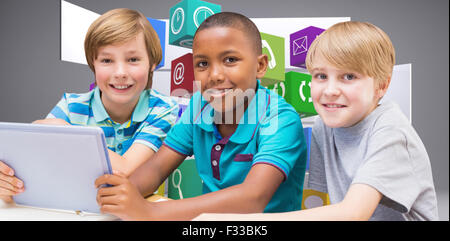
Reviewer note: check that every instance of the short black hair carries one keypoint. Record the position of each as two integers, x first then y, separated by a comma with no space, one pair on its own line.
234,20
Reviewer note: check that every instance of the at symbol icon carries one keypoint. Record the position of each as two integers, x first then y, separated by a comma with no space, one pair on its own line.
178,74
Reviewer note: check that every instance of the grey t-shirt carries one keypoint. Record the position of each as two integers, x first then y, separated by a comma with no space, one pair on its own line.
383,151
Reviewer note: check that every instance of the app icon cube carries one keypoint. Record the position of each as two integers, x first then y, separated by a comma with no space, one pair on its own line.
299,44
278,88
298,93
307,131
185,17
92,86
185,182
312,198
273,46
182,108
160,29
182,76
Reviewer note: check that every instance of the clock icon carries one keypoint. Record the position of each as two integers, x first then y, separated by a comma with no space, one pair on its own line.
200,14
187,43
177,21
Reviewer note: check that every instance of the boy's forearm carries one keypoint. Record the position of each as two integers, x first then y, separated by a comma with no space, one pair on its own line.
147,178
121,163
251,196
117,162
359,204
333,212
152,173
229,200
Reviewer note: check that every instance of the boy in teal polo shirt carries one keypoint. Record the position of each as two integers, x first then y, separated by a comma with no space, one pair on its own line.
247,141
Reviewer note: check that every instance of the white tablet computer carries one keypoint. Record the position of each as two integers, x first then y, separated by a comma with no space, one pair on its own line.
58,164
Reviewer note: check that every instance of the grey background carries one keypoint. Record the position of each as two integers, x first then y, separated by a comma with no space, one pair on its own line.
32,77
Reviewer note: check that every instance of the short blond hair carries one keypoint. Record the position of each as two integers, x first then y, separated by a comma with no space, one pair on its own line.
118,26
356,46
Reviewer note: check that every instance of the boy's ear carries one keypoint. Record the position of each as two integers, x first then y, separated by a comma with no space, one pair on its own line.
150,77
262,63
382,89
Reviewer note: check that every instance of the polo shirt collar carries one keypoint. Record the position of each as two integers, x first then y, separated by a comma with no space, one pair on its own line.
98,110
140,112
247,124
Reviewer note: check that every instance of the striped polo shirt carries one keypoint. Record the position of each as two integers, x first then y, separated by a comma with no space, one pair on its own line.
150,122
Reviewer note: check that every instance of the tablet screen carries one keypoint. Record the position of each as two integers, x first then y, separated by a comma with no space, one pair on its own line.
58,164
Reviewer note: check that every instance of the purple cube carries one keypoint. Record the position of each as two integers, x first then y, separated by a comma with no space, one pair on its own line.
182,108
92,86
300,42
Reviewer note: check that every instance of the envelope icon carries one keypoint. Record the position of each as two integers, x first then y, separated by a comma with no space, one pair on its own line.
300,45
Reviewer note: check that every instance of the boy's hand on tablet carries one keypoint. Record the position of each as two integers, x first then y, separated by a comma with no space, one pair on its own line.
51,121
122,199
9,184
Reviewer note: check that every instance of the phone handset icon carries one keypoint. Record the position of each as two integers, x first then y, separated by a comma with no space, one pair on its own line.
272,61
278,86
300,90
177,185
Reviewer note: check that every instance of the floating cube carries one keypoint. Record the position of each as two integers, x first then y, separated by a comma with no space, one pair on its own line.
185,181
185,17
182,76
182,108
313,198
161,189
92,85
273,46
299,44
298,93
160,29
308,133
278,88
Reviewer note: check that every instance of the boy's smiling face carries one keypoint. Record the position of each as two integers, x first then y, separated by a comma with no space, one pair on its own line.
342,98
227,65
121,72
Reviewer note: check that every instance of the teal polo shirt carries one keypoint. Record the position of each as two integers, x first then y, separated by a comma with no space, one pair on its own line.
270,132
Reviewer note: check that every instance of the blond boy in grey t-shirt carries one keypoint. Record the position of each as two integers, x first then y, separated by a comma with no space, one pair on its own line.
366,156
381,152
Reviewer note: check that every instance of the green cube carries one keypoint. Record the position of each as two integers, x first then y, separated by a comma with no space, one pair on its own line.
185,181
273,46
278,88
298,93
185,17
